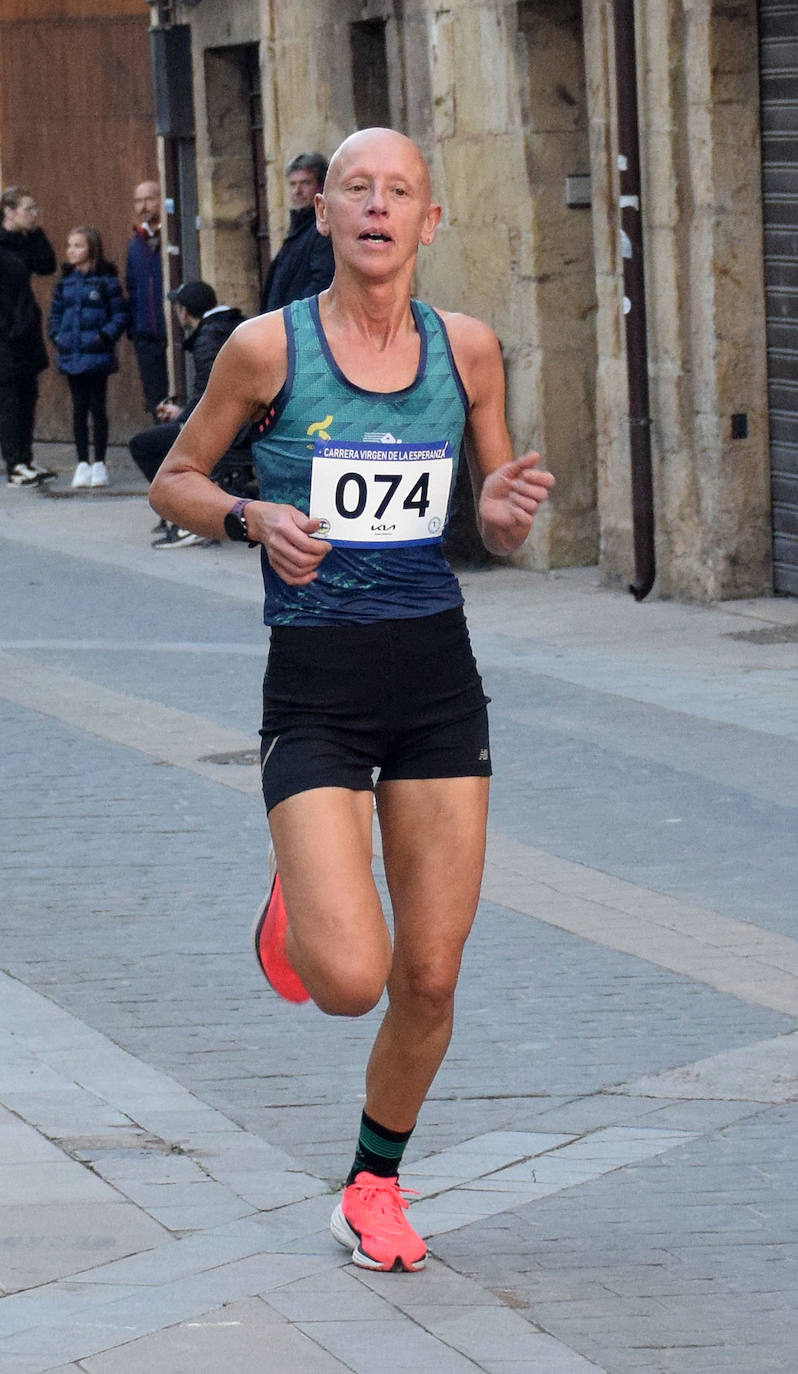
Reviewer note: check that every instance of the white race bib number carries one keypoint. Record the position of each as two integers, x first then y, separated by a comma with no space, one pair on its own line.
366,494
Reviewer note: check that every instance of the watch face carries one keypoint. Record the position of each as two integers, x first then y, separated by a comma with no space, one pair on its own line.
234,527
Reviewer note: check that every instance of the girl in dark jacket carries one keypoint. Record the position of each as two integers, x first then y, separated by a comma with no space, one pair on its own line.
87,316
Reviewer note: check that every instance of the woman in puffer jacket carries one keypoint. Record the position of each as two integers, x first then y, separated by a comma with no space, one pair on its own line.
88,314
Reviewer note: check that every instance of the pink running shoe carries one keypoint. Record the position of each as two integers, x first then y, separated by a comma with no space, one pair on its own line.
370,1221
268,940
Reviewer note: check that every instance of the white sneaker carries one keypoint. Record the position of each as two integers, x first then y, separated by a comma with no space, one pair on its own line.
82,475
176,538
23,475
99,475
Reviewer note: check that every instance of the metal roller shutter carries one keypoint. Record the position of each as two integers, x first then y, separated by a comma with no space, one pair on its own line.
778,27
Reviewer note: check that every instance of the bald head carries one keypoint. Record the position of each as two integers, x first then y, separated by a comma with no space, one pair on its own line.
389,145
376,206
147,203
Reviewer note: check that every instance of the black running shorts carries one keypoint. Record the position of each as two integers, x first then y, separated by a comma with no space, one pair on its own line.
400,696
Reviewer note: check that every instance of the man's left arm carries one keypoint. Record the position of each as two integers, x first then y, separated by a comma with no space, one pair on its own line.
507,490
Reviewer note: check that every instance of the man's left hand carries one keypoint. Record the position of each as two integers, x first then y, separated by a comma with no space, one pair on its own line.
508,501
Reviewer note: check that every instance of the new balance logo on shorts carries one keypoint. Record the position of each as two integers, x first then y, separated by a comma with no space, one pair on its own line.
483,755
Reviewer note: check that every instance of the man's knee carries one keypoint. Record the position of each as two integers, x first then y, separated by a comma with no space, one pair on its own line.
428,985
347,977
346,984
348,995
150,446
138,445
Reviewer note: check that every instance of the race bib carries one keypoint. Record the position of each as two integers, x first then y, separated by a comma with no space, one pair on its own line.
371,493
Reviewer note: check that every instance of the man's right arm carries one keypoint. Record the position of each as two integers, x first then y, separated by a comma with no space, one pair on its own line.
246,376
40,253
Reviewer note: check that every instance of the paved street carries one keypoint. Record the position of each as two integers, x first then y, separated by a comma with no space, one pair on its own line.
607,1162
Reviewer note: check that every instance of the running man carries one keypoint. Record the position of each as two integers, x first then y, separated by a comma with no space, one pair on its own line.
363,396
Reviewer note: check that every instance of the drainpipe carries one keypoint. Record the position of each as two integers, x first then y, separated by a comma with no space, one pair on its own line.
634,300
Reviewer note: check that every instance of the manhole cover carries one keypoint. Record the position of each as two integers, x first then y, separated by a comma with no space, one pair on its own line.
244,756
771,634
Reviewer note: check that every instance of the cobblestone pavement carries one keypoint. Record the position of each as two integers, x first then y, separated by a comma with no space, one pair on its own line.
606,1163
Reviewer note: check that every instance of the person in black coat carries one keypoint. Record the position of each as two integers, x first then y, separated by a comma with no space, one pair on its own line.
206,326
22,240
304,265
20,328
144,283
87,316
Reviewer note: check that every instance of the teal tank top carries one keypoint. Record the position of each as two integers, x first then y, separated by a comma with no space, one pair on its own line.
319,416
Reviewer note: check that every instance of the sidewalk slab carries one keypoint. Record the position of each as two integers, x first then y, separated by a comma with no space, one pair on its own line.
238,1337
49,1241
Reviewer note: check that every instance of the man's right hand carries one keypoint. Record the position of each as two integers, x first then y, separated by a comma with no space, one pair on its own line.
286,535
167,410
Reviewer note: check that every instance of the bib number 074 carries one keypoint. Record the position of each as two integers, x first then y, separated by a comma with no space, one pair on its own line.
383,500
352,494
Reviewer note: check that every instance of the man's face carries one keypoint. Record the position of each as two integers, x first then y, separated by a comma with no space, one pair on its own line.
302,189
147,203
22,217
376,203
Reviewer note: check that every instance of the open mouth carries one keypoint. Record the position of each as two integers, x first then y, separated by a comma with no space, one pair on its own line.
374,236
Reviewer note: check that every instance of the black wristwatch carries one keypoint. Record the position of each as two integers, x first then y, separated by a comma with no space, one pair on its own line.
235,524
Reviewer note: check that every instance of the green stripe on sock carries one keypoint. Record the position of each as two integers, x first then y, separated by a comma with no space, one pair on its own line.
379,1150
378,1145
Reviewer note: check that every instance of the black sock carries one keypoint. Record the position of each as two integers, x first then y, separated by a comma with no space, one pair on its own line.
379,1151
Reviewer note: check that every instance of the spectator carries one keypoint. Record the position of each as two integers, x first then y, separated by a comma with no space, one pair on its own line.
206,325
87,316
144,283
19,387
304,265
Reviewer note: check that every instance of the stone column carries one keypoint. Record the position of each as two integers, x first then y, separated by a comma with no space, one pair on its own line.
698,84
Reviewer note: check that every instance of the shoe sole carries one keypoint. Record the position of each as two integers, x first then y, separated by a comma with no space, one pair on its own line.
178,543
34,481
260,914
256,928
173,544
350,1240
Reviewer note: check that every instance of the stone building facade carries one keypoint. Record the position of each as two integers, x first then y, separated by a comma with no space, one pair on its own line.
514,104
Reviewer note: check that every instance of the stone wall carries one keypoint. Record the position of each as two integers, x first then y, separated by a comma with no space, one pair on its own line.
506,100
698,83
